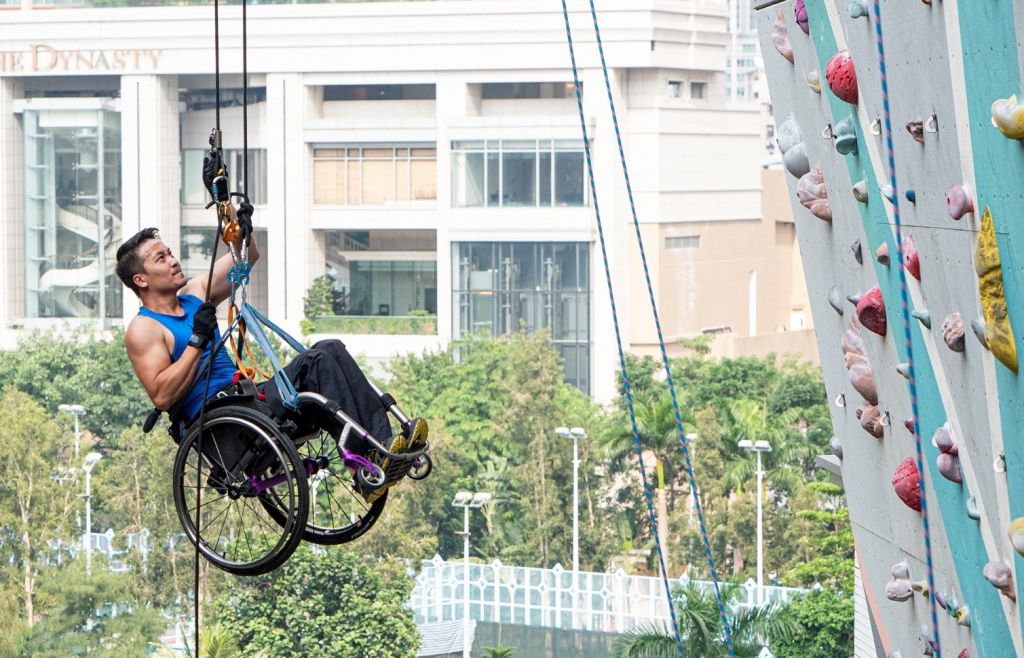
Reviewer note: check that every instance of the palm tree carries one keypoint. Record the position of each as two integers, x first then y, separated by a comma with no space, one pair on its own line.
700,627
658,433
214,642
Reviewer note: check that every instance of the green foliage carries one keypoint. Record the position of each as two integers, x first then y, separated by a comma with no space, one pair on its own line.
701,630
825,626
81,369
494,405
122,624
322,298
330,603
36,508
388,325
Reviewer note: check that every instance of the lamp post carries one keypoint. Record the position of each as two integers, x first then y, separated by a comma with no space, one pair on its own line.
576,433
467,501
90,461
758,447
75,410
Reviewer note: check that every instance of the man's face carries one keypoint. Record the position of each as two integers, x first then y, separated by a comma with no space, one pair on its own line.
162,269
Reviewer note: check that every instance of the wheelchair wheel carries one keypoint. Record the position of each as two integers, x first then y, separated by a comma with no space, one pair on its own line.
338,513
421,468
247,468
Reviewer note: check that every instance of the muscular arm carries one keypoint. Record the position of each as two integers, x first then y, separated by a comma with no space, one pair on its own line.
165,381
221,288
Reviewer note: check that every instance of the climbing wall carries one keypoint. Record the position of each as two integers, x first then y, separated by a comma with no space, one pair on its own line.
952,70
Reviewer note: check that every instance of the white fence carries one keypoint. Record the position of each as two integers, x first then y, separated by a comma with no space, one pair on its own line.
556,598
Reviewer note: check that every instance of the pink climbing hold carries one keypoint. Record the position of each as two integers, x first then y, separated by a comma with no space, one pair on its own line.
870,417
882,254
841,77
910,258
800,10
861,376
780,37
871,311
949,467
948,459
959,201
907,483
811,192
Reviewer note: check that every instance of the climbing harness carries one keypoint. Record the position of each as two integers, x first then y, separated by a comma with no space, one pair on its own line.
905,314
618,339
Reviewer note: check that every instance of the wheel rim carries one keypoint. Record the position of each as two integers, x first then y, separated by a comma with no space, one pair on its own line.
236,532
336,508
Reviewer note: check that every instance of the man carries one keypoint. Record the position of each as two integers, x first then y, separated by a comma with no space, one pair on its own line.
175,331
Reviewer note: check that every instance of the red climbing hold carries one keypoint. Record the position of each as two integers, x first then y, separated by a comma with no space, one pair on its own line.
910,258
907,483
841,77
871,311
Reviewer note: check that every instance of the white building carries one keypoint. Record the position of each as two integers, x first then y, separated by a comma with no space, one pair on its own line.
427,154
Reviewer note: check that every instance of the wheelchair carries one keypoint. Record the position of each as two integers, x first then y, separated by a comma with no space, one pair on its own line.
266,483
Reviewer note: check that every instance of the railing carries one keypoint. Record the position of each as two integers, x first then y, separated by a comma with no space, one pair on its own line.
555,598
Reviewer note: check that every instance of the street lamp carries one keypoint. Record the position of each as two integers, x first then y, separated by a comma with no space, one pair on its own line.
758,447
90,461
576,433
75,410
467,501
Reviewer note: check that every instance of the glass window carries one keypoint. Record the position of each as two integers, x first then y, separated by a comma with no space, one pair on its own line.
72,213
374,175
518,173
697,89
521,90
193,193
504,287
682,242
379,92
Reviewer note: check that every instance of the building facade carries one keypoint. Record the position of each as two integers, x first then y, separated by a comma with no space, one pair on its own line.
427,156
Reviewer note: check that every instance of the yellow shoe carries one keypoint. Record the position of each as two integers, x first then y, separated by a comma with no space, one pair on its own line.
395,471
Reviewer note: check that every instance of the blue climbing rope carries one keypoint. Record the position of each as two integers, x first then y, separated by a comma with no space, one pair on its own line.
684,444
905,313
618,336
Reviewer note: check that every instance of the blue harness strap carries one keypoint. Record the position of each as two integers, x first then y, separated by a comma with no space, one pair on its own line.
253,319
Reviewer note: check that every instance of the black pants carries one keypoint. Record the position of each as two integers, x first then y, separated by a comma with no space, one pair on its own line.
328,369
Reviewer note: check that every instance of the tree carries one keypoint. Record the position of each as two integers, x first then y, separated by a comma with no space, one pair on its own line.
35,509
824,621
497,403
99,615
330,603
700,627
82,368
658,433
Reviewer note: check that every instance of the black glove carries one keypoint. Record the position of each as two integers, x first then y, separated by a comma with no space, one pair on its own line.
244,215
215,175
203,325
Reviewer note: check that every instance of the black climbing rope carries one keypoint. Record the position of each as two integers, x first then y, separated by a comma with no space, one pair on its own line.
206,370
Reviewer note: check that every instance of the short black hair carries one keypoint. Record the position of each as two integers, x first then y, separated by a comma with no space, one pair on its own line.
128,261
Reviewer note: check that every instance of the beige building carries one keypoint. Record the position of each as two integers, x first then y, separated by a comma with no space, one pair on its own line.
740,281
439,178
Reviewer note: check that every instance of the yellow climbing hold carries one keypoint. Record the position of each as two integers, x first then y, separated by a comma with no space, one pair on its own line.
998,331
1008,117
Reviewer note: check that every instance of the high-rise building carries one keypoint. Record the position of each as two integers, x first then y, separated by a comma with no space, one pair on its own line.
428,156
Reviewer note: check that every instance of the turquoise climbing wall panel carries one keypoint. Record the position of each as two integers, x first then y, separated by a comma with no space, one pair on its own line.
946,62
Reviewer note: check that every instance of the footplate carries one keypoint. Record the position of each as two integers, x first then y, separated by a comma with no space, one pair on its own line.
397,468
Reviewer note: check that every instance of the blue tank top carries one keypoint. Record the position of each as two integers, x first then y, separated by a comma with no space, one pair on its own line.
180,327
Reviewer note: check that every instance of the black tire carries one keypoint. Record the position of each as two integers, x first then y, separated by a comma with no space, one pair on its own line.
241,448
422,471
338,512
